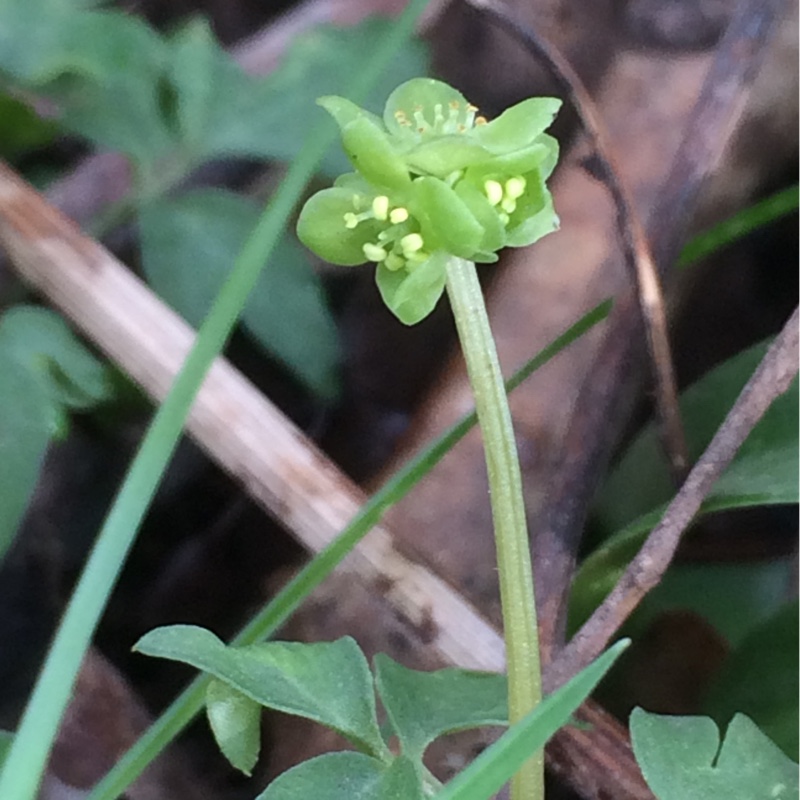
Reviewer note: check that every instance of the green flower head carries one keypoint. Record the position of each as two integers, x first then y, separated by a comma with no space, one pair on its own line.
433,178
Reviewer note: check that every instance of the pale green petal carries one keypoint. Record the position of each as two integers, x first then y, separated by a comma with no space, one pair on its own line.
517,127
321,228
412,296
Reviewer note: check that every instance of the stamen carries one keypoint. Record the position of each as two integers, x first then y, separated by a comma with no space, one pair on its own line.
438,118
398,215
509,205
394,262
374,252
494,191
515,187
351,220
411,243
380,207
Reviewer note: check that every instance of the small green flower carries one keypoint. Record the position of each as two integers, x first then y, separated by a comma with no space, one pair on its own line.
433,179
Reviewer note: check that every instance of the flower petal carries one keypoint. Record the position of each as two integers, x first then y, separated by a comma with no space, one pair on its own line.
321,228
371,153
345,111
530,229
494,235
517,127
421,95
445,154
445,219
413,295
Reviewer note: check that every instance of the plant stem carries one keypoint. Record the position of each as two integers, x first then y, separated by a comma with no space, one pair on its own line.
508,510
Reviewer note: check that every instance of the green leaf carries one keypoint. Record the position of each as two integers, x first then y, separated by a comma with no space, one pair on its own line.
347,776
189,244
732,597
20,129
412,296
765,469
425,705
328,682
44,371
498,763
759,678
42,341
6,738
26,426
235,720
681,759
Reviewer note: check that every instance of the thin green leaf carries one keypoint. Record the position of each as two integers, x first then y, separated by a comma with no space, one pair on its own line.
498,763
347,776
328,682
425,705
736,227
41,341
681,759
759,678
235,721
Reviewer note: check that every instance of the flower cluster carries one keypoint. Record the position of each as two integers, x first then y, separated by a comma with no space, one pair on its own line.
433,179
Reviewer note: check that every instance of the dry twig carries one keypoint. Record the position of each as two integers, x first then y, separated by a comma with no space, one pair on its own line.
601,408
772,378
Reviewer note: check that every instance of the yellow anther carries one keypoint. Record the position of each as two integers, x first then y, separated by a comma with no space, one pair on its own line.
411,243
509,205
380,207
374,252
504,218
515,187
394,262
398,215
494,192
350,220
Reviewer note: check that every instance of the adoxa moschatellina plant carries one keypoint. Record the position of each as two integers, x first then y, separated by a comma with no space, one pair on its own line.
436,188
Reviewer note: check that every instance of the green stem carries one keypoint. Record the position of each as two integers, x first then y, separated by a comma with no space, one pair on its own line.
508,510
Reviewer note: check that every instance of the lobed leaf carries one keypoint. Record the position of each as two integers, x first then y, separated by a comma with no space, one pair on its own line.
681,759
328,682
347,776
425,705
759,678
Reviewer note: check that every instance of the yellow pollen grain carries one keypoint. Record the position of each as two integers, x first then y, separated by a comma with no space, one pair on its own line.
398,215
380,207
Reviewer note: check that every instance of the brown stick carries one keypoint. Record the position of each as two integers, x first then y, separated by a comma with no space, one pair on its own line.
602,406
772,378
